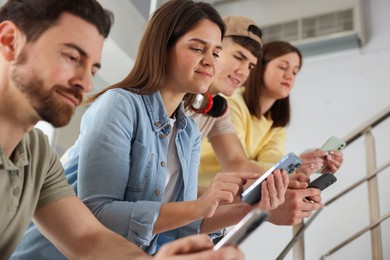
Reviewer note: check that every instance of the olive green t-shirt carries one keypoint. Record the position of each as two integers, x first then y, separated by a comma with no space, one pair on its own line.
34,178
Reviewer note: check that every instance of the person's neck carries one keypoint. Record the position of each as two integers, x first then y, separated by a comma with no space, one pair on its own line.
171,101
265,104
15,121
213,91
11,134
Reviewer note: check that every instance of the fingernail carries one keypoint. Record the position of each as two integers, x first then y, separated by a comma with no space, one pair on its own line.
331,152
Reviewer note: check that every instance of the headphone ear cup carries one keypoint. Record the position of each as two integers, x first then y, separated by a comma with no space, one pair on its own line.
202,103
219,106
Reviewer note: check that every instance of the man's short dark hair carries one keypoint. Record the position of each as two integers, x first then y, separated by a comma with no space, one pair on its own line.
34,17
251,45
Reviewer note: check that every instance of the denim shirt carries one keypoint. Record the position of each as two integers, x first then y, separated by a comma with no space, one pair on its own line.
118,167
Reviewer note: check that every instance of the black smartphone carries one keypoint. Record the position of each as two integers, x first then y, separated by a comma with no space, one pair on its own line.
323,182
289,163
243,229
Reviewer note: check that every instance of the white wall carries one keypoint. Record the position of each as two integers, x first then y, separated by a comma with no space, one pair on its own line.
266,12
333,95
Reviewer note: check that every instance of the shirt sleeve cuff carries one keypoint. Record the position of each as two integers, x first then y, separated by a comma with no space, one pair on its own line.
190,229
142,223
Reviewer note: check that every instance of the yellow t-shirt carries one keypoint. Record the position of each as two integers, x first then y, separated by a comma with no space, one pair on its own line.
263,144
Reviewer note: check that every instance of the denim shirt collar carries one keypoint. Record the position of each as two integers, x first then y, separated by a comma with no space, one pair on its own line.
158,115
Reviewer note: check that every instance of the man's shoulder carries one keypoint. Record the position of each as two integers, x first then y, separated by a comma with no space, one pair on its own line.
36,142
204,120
237,95
35,136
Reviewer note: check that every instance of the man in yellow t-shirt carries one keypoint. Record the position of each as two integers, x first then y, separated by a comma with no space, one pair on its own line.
241,49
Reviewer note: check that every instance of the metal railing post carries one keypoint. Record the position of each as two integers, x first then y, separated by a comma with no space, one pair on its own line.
299,247
373,196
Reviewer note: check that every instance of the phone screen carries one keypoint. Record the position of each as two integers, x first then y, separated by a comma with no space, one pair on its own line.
289,163
243,229
333,143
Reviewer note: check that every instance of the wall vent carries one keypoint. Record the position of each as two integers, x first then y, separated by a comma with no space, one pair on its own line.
322,33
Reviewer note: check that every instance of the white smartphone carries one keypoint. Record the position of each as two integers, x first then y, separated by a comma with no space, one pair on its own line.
333,143
289,163
243,228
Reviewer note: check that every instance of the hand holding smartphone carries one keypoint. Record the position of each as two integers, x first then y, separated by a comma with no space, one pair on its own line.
333,143
243,229
323,182
289,163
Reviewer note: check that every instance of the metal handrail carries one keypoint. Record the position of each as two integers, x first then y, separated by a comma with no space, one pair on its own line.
356,235
353,186
300,232
374,121
360,131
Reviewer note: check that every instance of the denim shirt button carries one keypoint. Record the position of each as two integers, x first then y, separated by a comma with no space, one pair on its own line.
163,136
158,124
163,164
157,192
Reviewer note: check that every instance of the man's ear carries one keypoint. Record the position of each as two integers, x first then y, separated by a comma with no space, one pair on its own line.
9,35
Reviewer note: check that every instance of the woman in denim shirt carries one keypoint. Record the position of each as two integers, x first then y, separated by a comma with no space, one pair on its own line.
136,160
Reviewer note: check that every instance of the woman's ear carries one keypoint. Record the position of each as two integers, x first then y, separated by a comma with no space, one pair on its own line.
9,35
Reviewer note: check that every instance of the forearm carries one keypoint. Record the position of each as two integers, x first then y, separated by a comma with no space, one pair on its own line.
241,165
265,165
201,190
177,214
72,228
232,156
225,216
109,245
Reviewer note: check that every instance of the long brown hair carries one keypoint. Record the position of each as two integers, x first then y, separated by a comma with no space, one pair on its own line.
169,22
280,110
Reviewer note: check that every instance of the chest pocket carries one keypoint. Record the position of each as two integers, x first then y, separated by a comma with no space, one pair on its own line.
141,167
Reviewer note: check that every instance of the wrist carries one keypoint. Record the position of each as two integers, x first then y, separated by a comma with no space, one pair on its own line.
198,207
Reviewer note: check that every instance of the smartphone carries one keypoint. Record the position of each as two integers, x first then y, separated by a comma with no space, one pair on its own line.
323,182
243,228
333,143
289,163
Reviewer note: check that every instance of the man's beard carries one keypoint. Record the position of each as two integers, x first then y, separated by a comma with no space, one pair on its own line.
46,103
